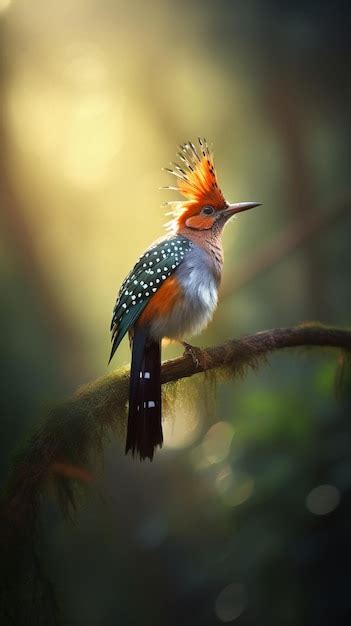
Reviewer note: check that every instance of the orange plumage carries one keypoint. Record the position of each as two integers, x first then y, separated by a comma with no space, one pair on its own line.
172,290
196,181
163,301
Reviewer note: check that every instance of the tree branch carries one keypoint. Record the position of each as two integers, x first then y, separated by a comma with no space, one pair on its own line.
246,351
56,455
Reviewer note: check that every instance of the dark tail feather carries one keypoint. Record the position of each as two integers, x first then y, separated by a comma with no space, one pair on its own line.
144,432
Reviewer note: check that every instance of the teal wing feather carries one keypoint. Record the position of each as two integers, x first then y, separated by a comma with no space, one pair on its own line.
150,271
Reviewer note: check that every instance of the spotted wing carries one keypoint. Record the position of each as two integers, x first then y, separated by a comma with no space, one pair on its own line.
149,273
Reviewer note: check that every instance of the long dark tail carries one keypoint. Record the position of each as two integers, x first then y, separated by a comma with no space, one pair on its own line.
144,432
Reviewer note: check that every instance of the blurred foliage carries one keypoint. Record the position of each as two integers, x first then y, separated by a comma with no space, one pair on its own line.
243,516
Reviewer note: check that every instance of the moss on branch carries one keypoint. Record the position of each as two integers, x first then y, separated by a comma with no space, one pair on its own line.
59,450
56,457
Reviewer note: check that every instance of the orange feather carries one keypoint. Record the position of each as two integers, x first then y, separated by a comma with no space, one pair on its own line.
196,181
163,301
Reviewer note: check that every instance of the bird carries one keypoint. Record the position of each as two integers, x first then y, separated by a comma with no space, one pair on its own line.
172,290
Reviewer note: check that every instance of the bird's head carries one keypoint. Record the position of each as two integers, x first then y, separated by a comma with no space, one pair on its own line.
205,207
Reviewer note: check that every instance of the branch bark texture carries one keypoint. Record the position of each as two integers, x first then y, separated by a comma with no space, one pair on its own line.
249,349
57,454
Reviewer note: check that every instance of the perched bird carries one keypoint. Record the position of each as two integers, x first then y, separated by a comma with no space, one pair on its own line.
172,289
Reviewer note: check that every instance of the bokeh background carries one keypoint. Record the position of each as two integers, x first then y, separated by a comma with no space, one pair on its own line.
244,516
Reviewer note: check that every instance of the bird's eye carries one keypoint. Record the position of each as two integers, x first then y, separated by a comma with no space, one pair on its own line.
208,210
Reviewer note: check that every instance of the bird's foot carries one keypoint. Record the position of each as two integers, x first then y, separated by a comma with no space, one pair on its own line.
197,354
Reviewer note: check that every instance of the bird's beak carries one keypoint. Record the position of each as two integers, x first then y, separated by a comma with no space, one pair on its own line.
232,209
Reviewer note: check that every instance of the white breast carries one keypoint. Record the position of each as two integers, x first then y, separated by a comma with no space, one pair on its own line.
200,294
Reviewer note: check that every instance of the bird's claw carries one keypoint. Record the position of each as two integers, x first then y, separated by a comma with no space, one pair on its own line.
195,353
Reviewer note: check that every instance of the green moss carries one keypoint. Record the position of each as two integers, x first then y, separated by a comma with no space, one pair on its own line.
55,458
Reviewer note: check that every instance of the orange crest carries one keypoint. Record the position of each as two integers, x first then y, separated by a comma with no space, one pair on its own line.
196,181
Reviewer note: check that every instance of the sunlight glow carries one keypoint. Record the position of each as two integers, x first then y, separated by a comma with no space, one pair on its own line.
4,4
94,136
217,441
234,488
74,133
214,447
85,65
182,428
